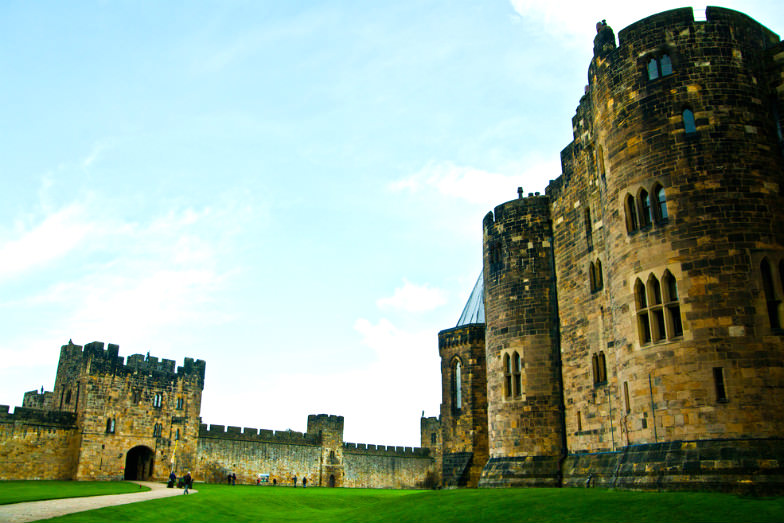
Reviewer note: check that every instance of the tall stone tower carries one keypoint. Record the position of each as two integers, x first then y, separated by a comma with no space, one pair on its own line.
524,397
330,431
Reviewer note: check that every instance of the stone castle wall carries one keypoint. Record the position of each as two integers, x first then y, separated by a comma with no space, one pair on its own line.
37,445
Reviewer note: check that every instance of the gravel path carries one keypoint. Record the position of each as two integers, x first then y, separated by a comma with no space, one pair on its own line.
35,510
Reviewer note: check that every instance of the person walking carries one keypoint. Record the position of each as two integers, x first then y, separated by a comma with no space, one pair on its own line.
188,482
304,482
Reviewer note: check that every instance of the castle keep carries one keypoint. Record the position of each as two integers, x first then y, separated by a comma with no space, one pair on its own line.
631,329
627,329
110,419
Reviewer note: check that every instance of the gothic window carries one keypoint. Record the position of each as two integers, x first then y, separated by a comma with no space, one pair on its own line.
631,214
645,209
457,392
157,430
110,426
433,439
588,229
718,380
660,204
659,66
177,435
137,396
672,306
507,376
770,295
658,330
180,402
643,325
689,125
68,397
157,400
517,378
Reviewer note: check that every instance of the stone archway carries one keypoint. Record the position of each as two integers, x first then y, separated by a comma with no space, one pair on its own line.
139,463
332,480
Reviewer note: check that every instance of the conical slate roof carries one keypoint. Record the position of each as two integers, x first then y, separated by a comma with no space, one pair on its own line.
474,311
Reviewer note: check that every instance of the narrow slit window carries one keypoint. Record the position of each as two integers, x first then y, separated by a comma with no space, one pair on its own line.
579,422
661,204
645,209
517,375
457,393
626,402
672,307
643,324
588,229
771,302
721,388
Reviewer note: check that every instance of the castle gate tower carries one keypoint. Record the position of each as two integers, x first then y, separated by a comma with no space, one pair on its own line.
524,401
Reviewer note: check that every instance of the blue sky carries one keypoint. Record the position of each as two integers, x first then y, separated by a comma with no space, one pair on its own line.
292,191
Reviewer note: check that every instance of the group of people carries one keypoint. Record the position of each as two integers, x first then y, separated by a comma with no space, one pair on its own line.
304,482
186,481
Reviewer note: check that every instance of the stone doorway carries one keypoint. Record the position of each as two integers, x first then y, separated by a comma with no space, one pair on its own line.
138,463
332,480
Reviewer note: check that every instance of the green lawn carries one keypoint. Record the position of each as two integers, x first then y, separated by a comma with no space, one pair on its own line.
18,491
218,503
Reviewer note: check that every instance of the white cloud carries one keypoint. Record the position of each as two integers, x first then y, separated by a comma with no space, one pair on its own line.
477,186
56,236
414,298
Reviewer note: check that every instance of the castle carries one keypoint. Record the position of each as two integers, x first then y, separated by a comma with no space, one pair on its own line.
627,329
109,418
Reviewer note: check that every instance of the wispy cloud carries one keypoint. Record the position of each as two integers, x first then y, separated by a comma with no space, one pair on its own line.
475,185
414,298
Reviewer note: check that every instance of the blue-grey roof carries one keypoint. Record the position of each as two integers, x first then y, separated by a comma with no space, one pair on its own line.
474,311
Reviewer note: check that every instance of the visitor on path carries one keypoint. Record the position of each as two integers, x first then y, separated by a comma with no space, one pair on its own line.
295,481
172,480
188,481
233,478
304,482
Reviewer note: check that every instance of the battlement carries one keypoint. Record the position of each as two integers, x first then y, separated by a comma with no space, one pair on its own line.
258,435
108,361
33,416
381,450
533,204
462,335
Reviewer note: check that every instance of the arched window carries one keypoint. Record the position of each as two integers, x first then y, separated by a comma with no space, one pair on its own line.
507,376
645,209
517,377
602,368
157,430
110,426
157,400
177,435
689,125
631,214
770,295
658,330
457,392
653,69
665,65
180,403
672,306
661,204
643,324
68,397
595,275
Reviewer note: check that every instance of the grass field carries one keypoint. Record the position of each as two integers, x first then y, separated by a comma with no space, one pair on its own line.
18,491
218,503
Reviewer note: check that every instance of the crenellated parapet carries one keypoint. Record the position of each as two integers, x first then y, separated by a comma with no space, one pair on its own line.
33,416
388,450
288,437
93,358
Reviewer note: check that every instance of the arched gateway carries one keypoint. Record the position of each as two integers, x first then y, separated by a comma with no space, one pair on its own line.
138,463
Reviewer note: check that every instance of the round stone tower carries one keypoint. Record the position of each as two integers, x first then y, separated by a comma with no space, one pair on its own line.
678,151
524,400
